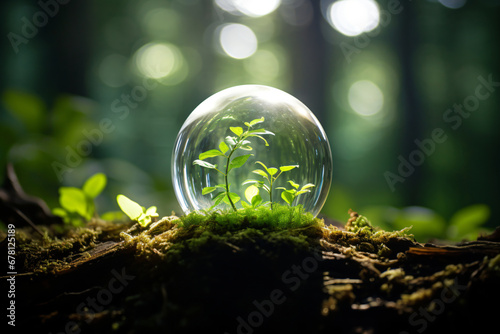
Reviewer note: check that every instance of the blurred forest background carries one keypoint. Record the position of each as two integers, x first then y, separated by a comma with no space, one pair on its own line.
406,90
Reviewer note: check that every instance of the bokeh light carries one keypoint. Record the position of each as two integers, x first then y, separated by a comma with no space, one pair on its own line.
365,98
353,17
263,65
253,8
237,40
158,60
256,8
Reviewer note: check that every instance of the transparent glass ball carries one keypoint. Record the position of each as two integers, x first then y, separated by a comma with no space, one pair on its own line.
286,134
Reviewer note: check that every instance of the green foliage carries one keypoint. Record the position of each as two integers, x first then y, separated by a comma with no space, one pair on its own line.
36,134
226,149
289,195
28,108
466,224
135,211
425,223
77,205
270,175
253,197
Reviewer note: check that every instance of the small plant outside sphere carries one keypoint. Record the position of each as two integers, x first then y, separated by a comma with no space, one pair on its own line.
242,129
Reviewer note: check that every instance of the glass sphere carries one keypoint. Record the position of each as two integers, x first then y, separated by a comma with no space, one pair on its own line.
244,138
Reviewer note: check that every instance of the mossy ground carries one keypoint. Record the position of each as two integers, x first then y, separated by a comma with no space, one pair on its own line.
214,271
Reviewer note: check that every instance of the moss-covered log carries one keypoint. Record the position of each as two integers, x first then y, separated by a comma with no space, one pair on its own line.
248,274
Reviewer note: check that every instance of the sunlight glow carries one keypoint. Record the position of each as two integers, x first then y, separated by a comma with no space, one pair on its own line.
263,65
256,8
365,98
354,17
238,41
252,8
158,60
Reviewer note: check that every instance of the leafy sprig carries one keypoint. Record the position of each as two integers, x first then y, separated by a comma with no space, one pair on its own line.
227,148
135,211
77,205
289,195
269,174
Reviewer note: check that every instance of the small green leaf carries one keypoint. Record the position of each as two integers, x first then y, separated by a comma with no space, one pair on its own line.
256,200
210,154
302,192
151,211
73,200
257,121
60,212
207,190
129,207
245,205
244,145
217,200
272,171
90,209
223,186
307,186
94,185
234,197
144,220
239,161
250,192
262,164
111,216
260,172
260,132
265,141
231,140
287,197
468,219
204,164
236,130
288,168
223,147
254,182
293,184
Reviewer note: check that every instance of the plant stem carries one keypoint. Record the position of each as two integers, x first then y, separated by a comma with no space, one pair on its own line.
271,187
225,178
271,192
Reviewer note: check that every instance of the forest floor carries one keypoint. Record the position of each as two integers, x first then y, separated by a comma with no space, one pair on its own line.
186,276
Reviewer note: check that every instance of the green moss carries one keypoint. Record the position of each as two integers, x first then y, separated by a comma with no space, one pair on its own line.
280,217
176,238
